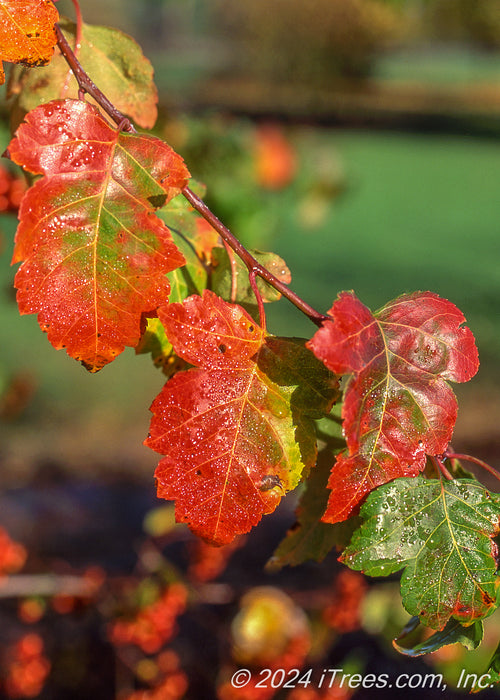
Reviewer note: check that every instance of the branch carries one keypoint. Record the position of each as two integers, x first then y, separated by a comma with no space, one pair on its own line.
252,264
86,85
46,585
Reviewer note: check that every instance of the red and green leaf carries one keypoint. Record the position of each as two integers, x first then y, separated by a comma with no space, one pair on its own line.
237,430
441,535
27,33
95,254
113,60
398,407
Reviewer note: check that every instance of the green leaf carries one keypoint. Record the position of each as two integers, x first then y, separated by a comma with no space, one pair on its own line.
454,633
440,534
113,60
222,276
154,341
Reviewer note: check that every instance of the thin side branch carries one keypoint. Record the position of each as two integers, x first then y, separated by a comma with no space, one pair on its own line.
252,264
258,297
46,585
473,460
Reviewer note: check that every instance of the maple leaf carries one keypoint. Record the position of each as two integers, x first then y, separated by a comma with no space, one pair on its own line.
398,406
441,534
113,60
237,430
96,255
27,33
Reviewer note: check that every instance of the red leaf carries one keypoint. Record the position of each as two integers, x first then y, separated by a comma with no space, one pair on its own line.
96,256
397,406
235,432
27,32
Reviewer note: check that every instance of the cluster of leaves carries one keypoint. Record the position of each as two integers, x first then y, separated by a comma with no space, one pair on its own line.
114,254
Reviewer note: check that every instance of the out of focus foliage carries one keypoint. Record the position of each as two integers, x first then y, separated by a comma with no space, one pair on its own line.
476,22
309,42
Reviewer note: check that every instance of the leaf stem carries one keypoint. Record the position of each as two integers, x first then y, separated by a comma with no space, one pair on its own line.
252,264
474,460
258,297
87,85
234,271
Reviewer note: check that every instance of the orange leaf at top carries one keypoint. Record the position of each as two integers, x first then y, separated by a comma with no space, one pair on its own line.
398,407
96,255
27,32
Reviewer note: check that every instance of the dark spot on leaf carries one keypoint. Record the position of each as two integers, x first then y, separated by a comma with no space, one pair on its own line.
269,481
157,200
251,328
222,348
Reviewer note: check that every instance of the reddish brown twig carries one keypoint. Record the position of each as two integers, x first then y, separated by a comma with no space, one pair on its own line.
252,264
86,85
473,460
